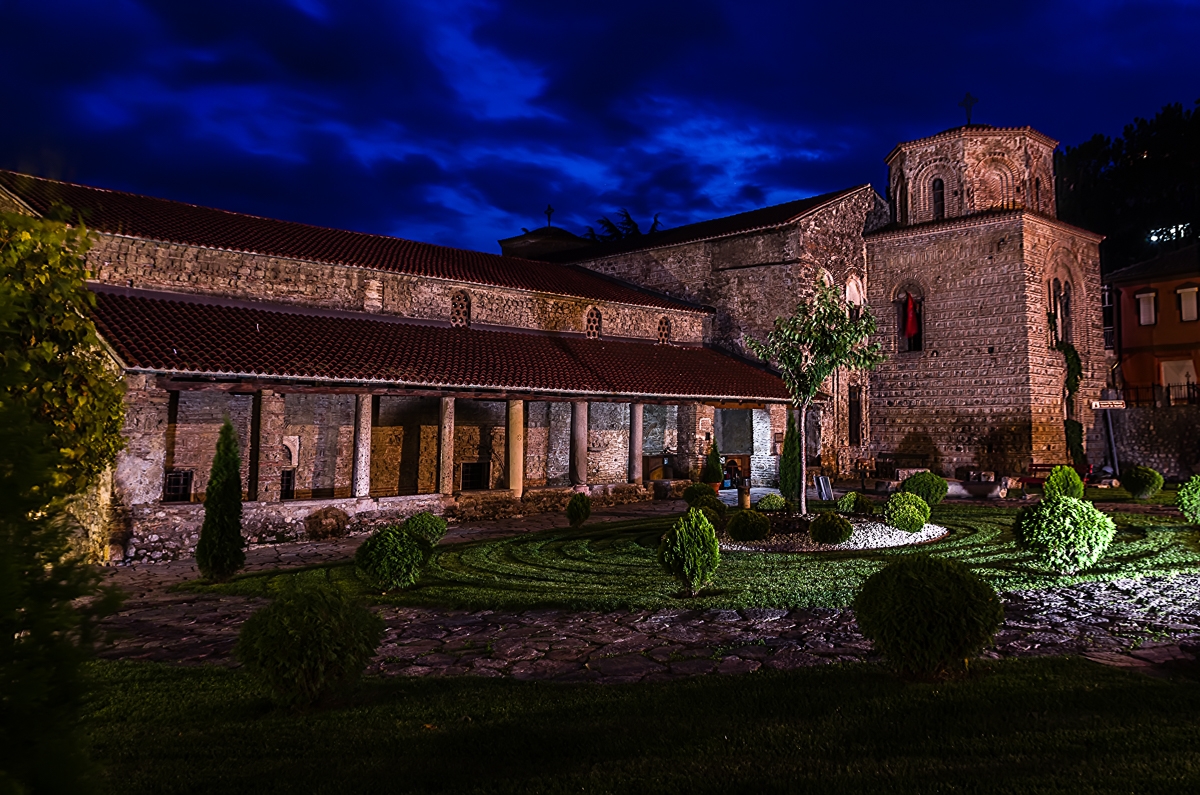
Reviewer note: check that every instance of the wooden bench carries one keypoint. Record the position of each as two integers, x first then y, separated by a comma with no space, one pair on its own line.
1038,473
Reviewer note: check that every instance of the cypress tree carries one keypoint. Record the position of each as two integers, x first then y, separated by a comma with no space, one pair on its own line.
713,471
220,551
789,464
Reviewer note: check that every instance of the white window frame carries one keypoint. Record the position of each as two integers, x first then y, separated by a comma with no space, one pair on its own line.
1187,301
1147,301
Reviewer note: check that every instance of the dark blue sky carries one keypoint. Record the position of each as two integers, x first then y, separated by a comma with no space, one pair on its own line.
456,121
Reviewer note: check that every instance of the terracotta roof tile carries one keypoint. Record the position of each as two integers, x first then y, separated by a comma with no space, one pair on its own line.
194,336
176,222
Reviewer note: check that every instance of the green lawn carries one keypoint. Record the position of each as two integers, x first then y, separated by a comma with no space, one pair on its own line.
1033,726
612,566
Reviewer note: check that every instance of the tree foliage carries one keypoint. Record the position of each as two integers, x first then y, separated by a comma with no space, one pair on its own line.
821,337
53,363
620,229
221,549
1146,179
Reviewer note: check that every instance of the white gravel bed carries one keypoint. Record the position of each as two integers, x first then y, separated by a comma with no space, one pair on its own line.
867,535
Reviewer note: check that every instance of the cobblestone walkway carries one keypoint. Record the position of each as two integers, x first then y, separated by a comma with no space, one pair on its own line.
1139,623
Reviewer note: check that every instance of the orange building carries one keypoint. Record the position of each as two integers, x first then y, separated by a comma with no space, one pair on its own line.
1152,310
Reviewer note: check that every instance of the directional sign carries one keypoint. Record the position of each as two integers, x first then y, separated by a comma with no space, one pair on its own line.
1108,404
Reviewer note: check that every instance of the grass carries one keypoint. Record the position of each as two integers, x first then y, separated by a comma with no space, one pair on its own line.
613,566
1053,725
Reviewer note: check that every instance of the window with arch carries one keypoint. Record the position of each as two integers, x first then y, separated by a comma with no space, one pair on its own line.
1037,193
910,319
593,327
854,297
664,331
460,310
1060,307
939,199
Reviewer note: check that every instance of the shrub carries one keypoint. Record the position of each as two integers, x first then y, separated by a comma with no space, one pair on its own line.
427,526
713,471
929,487
905,511
392,558
326,523
689,551
579,509
855,502
310,642
1188,499
749,526
696,491
1063,482
1066,534
927,615
718,509
771,502
220,551
1142,482
829,528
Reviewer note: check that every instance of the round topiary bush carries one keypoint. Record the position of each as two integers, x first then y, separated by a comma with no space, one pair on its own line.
905,511
929,487
579,508
829,528
427,526
854,502
1142,482
749,526
392,558
689,551
1065,533
927,615
770,502
310,642
1188,499
1063,482
696,491
711,501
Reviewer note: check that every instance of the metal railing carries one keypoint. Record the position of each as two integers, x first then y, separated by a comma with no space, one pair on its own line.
1170,395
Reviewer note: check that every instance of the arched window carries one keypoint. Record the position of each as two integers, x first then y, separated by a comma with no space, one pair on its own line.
664,331
1037,193
854,297
460,310
910,319
593,323
939,199
1060,306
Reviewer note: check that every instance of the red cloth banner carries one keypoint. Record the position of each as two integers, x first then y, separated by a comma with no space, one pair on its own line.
910,318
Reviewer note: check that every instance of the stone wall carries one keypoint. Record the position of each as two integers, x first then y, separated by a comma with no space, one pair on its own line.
404,445
547,443
608,443
1166,439
324,427
124,261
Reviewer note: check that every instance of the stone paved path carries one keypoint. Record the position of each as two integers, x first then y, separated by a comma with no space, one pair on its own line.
1139,623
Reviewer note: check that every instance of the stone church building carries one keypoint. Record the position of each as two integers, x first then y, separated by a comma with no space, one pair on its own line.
380,377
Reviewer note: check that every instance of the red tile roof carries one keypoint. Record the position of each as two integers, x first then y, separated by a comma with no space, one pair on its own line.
176,222
762,218
190,335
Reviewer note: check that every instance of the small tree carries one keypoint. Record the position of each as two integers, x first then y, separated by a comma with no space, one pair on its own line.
221,550
712,472
789,464
819,338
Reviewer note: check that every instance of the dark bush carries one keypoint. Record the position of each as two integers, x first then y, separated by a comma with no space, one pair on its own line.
326,523
748,526
829,528
1062,482
929,487
927,615
711,500
713,471
854,502
427,526
906,512
392,558
312,641
771,502
220,551
696,491
1188,499
1142,482
1065,533
579,508
689,551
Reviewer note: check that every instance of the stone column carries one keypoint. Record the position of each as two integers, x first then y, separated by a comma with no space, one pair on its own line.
579,443
362,445
140,467
635,443
446,447
270,445
514,447
695,435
